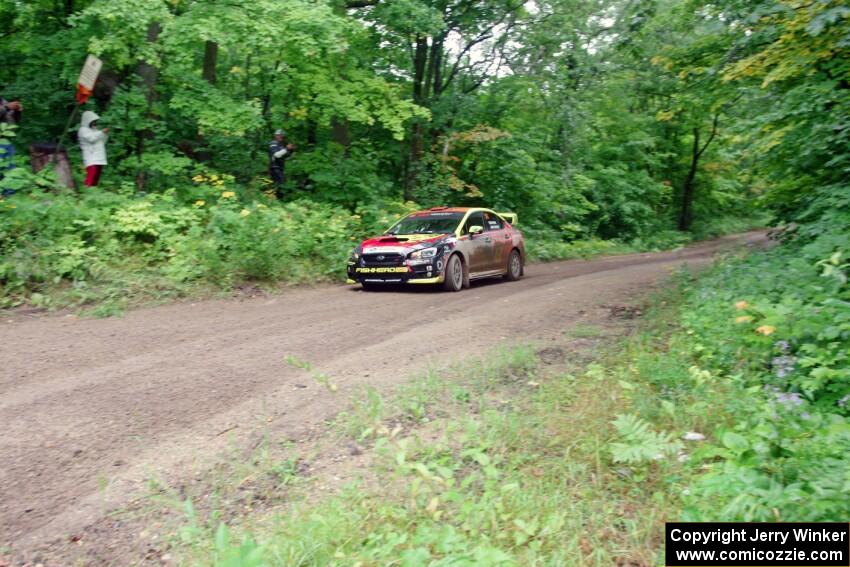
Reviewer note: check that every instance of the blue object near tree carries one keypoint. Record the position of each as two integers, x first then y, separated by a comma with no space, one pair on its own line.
7,161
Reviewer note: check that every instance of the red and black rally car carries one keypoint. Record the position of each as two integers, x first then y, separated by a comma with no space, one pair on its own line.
448,246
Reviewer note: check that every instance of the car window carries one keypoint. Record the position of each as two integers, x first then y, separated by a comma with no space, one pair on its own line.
493,222
427,223
475,219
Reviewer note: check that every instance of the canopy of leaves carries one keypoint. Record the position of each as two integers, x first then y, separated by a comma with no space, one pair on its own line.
587,117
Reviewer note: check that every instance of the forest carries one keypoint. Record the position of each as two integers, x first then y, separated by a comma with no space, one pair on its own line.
606,125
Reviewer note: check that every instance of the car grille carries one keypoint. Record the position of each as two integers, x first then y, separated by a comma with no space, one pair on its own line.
382,260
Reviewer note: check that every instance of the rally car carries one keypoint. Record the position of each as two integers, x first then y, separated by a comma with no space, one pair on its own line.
447,246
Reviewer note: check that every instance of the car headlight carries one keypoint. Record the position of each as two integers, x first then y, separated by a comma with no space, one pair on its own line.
424,253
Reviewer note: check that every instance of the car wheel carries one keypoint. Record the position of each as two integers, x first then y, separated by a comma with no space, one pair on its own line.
514,266
454,274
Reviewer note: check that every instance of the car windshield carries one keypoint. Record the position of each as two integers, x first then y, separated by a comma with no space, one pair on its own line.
427,223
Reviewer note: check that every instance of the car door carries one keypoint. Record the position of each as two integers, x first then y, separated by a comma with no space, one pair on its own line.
478,246
494,227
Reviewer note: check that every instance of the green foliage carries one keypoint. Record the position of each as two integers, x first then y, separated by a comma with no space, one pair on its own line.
698,115
573,144
640,443
760,363
80,247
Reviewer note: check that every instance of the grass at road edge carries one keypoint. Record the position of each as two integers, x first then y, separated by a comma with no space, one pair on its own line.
500,461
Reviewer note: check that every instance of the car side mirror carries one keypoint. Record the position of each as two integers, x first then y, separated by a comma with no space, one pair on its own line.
473,230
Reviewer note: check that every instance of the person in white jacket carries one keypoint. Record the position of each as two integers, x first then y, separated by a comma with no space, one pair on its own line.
93,144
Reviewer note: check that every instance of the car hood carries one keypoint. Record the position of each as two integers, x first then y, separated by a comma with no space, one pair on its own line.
402,243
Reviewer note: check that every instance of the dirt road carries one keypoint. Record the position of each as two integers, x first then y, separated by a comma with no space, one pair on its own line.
92,409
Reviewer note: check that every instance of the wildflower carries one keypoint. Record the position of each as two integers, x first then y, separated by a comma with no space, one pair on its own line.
228,195
765,330
198,178
741,305
743,319
244,212
783,346
213,177
355,216
843,402
789,399
200,203
783,365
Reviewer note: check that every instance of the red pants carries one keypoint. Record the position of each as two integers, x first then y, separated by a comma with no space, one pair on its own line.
93,175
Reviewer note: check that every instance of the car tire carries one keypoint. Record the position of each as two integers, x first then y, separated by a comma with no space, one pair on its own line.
454,274
514,266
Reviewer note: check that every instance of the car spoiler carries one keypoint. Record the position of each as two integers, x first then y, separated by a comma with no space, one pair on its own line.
510,217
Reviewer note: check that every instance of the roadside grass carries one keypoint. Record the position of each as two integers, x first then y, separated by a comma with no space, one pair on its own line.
585,331
544,246
128,283
503,460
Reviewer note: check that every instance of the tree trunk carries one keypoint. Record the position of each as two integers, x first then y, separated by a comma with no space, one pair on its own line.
340,133
420,61
312,133
685,212
688,188
414,161
340,126
210,61
432,78
149,76
417,131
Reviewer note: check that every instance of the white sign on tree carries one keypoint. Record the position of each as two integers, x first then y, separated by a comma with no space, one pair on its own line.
91,69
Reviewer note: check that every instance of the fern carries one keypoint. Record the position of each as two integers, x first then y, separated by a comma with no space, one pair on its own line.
640,443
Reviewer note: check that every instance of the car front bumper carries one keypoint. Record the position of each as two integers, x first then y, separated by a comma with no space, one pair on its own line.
420,274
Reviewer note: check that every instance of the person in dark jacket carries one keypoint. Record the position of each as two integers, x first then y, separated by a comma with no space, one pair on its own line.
10,111
279,152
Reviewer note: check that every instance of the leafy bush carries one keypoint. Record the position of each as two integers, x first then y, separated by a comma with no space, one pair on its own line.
68,249
761,363
76,248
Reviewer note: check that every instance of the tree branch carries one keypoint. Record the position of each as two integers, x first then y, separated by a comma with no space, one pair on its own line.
360,3
711,136
483,36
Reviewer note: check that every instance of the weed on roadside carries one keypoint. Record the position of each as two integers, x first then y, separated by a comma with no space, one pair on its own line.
493,462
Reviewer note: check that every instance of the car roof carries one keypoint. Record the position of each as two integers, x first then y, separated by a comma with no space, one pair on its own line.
451,210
